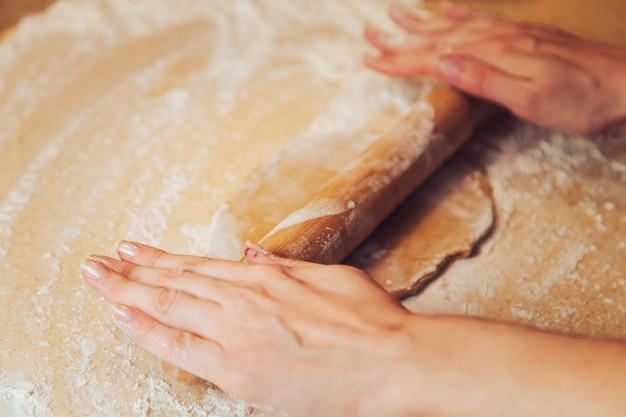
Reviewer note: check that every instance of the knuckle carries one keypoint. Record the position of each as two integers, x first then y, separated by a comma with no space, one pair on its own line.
179,345
250,295
191,262
245,293
180,341
120,288
166,300
521,28
526,42
239,293
268,271
172,274
156,259
145,333
131,271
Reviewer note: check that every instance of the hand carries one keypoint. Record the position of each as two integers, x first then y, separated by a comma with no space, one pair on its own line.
306,339
324,341
541,74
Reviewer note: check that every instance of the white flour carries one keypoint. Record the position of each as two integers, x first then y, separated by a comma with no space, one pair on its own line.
139,120
554,230
146,119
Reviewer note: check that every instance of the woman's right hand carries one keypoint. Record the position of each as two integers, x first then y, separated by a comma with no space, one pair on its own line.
541,74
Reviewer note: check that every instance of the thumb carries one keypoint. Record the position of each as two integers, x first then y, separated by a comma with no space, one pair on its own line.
256,254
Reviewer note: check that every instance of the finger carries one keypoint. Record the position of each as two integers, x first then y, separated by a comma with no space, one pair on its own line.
171,307
179,279
507,54
456,11
256,254
404,64
460,12
391,43
199,356
414,24
483,80
539,42
145,255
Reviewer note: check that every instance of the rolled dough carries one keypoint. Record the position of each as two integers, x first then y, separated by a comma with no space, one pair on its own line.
442,221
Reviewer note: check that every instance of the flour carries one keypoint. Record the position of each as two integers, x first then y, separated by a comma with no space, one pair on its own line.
143,120
19,397
552,235
221,239
156,120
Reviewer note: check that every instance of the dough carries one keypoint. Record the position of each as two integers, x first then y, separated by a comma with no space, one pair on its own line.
440,222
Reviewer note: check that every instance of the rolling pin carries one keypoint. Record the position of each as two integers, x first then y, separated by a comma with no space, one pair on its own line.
348,208
345,210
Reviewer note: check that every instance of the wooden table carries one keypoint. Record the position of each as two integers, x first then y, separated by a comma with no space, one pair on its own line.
554,260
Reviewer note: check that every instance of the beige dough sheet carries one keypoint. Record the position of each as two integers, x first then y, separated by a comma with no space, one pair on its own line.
160,121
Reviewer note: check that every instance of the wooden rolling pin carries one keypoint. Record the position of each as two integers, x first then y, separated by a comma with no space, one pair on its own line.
352,204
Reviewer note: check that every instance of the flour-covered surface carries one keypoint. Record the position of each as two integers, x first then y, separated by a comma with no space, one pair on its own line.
442,221
144,120
138,120
556,258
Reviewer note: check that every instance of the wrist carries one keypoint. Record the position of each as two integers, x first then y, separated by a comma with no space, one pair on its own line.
457,367
401,387
620,81
612,111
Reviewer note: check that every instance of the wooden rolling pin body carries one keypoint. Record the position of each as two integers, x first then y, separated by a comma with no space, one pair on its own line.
353,203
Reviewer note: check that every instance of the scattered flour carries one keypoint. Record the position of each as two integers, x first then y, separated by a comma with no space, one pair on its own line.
146,120
142,120
558,203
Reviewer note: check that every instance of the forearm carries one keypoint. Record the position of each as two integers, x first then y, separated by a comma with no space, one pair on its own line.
465,367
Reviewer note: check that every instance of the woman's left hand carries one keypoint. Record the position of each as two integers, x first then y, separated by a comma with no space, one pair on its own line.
274,331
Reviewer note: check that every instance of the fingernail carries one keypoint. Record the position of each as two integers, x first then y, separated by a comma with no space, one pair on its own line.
100,259
92,269
449,66
122,313
253,249
400,10
127,249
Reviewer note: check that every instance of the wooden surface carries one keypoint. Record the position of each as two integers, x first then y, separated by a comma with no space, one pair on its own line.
554,260
590,314
601,20
12,10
